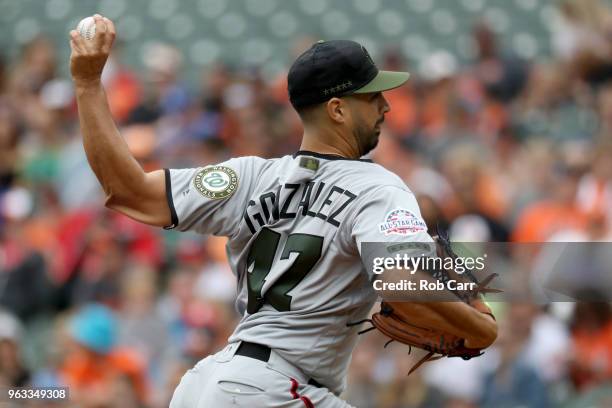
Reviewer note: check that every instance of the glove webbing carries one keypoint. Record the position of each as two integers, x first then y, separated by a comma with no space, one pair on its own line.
441,275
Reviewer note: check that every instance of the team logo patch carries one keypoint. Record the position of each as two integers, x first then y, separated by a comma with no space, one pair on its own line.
216,182
401,222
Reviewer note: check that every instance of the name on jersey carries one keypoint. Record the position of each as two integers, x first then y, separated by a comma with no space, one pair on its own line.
299,200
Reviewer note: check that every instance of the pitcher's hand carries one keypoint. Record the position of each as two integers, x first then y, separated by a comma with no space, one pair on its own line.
88,57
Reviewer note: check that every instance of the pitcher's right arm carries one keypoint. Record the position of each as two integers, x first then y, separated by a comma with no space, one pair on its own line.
128,188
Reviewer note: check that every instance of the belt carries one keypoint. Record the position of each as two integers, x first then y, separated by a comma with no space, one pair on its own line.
262,353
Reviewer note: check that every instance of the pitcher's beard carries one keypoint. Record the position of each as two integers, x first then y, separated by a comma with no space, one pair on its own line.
367,138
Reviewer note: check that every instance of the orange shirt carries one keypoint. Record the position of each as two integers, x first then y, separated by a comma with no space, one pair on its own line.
541,220
402,117
593,352
86,370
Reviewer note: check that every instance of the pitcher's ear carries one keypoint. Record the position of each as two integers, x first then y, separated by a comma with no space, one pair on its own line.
337,110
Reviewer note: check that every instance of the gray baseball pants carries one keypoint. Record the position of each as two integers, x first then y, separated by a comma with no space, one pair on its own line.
230,380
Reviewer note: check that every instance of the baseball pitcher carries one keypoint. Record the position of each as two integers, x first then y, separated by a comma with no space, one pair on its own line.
295,226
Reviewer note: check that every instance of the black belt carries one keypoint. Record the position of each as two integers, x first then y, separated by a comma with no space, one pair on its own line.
262,353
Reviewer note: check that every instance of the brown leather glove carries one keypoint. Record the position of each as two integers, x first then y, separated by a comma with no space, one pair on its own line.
418,329
418,326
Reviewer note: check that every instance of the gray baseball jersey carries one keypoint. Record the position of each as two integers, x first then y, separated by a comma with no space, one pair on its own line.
295,226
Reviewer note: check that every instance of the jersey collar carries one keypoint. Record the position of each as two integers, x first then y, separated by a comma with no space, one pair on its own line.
326,156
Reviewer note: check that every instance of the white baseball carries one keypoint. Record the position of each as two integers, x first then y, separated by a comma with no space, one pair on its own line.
87,28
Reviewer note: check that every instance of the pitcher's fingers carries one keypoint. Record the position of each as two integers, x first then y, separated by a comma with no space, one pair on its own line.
110,26
100,30
75,37
110,35
73,48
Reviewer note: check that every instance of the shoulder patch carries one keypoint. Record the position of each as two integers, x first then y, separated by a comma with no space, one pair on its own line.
401,222
216,182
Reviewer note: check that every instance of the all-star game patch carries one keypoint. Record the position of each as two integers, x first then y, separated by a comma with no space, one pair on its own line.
401,222
216,182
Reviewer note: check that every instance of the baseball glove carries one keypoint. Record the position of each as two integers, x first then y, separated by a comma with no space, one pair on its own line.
416,325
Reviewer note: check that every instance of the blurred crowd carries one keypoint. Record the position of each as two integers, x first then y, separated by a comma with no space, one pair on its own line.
501,149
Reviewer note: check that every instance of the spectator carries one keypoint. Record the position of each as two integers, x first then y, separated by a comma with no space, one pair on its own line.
539,221
13,372
592,343
582,38
98,372
515,382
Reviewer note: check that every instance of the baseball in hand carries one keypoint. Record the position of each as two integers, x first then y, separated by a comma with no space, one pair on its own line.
87,28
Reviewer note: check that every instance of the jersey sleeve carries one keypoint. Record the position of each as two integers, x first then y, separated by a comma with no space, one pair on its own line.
211,199
389,216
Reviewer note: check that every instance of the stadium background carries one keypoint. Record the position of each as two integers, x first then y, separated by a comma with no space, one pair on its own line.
504,133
